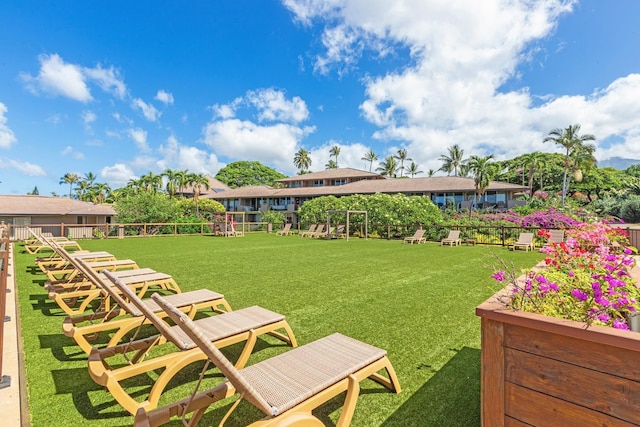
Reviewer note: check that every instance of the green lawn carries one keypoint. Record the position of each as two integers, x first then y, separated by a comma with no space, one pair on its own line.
415,301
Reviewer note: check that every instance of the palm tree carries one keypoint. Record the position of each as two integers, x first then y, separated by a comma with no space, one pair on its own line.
69,178
483,171
388,167
431,173
532,163
101,191
582,159
331,164
370,157
402,156
90,178
302,160
82,187
335,152
151,182
182,177
570,139
173,181
413,169
453,161
198,181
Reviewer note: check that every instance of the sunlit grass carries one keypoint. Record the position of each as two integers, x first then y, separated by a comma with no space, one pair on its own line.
415,301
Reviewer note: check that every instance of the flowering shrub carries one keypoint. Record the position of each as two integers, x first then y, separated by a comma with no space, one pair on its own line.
585,278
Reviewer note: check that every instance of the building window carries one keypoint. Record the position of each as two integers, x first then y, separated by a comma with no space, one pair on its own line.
318,183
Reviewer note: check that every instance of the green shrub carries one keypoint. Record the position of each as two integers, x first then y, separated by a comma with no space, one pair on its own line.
630,209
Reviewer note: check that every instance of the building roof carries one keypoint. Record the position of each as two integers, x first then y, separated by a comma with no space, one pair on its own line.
28,205
333,174
441,184
215,186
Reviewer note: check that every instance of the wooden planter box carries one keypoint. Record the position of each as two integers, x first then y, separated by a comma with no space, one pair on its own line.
538,370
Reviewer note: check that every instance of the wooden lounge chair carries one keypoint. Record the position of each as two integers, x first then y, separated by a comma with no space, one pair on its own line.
311,230
555,236
525,241
319,231
286,230
418,237
453,239
42,244
244,325
124,317
339,233
286,388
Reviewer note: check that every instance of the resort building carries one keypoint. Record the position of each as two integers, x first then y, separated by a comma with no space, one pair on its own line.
292,192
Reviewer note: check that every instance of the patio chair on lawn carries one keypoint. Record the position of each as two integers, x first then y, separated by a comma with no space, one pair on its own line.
42,244
286,230
287,387
319,231
339,233
555,236
311,230
124,317
452,239
244,325
418,237
67,273
525,241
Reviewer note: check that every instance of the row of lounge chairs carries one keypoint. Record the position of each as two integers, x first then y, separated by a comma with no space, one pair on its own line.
452,239
525,240
286,388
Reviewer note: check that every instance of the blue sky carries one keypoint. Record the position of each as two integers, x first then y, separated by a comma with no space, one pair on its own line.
122,88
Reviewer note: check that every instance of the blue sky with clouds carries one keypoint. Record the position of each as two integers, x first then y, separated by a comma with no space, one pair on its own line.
122,88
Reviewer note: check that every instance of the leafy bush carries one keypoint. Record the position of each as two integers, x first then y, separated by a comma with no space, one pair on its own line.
145,208
207,208
630,209
397,212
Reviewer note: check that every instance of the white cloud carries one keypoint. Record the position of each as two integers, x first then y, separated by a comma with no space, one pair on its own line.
7,137
164,97
274,145
88,117
70,151
273,106
24,168
150,112
55,118
117,175
178,156
59,78
450,88
139,136
108,79
225,111
350,156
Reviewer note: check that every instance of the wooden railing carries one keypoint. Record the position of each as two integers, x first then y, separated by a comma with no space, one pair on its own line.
5,380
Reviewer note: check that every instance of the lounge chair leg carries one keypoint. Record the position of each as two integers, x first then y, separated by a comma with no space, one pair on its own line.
350,401
247,350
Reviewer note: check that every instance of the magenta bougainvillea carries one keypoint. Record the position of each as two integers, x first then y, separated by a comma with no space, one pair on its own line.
585,278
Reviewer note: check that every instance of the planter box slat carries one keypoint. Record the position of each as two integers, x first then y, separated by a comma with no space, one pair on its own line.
604,358
492,366
539,409
512,422
579,385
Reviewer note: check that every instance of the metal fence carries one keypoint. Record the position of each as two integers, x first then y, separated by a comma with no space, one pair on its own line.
5,245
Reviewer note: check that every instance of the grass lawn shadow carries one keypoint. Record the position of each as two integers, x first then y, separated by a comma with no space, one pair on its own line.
451,397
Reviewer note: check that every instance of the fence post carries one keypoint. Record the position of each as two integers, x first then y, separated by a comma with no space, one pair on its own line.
503,235
62,230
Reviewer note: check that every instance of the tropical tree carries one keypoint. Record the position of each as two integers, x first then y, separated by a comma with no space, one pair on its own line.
453,161
82,188
331,164
388,167
69,178
334,152
370,157
413,169
173,181
90,177
402,156
198,181
483,171
571,140
244,173
302,160
431,173
150,182
101,192
532,162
